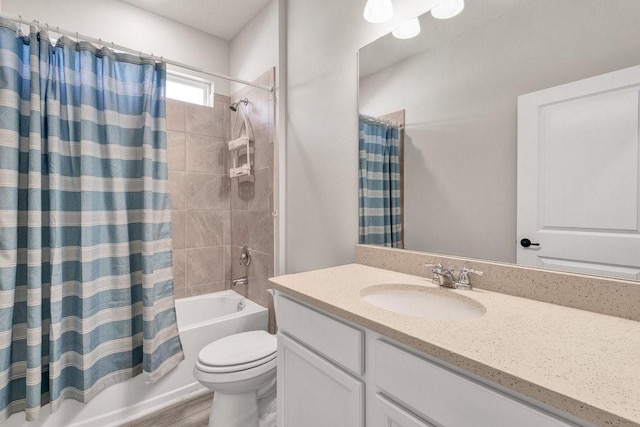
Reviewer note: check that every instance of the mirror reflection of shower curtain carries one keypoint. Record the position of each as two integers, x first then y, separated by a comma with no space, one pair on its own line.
380,183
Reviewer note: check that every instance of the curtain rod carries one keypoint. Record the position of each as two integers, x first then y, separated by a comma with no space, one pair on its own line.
18,19
380,121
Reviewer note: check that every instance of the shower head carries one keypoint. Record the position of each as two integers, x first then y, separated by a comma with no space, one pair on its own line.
235,105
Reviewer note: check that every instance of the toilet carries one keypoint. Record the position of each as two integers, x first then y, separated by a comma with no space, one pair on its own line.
240,369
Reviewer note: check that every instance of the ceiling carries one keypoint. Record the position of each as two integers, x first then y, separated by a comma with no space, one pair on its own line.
389,50
220,18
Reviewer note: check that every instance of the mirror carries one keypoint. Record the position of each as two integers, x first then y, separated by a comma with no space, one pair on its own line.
458,83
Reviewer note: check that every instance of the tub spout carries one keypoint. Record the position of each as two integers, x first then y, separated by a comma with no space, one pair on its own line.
241,281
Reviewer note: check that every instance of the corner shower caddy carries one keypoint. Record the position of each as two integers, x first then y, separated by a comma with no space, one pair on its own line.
241,145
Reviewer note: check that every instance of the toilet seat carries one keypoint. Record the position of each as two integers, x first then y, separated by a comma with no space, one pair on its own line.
234,368
238,352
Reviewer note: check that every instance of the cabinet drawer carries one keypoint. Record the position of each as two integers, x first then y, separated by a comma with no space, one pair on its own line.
448,398
335,340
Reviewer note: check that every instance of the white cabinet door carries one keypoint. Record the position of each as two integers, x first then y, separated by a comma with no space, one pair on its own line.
579,176
390,415
313,392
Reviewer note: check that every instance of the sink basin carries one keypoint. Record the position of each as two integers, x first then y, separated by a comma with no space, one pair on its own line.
420,301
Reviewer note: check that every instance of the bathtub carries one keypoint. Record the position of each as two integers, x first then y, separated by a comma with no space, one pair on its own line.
201,320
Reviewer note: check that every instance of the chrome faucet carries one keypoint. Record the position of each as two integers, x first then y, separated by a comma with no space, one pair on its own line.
446,277
442,276
463,278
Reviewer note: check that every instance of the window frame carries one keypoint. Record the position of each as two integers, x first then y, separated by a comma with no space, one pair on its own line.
206,86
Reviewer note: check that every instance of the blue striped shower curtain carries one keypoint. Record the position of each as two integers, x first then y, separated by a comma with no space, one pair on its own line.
380,184
86,286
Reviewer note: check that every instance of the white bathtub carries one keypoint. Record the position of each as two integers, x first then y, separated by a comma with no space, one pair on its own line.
201,320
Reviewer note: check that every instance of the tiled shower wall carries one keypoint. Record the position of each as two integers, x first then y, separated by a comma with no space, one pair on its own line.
214,216
199,187
252,202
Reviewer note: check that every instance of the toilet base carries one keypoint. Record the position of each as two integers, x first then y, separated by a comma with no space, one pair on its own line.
267,410
234,410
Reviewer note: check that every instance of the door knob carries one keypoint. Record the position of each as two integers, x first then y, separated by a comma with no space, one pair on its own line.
526,243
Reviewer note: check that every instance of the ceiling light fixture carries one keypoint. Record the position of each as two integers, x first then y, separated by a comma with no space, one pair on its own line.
378,11
447,9
408,29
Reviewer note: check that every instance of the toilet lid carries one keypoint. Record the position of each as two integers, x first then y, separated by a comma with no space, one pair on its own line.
267,361
247,348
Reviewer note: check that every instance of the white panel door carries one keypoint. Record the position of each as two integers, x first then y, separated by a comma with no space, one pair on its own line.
579,176
313,392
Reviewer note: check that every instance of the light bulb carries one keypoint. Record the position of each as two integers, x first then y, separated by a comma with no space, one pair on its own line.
378,11
447,9
408,29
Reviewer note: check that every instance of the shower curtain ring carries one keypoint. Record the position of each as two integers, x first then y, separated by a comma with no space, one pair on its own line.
19,26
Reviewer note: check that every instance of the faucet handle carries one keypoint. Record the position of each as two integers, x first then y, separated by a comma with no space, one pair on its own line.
463,277
436,270
465,271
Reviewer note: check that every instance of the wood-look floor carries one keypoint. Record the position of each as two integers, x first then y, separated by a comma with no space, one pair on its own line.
193,413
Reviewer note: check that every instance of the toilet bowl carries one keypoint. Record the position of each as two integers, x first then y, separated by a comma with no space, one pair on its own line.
240,369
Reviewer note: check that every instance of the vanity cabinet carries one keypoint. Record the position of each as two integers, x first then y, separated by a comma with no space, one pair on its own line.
326,379
320,360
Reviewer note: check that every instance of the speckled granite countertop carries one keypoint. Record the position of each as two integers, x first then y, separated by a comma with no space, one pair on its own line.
583,363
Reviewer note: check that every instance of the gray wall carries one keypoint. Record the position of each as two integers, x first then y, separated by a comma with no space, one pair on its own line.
460,100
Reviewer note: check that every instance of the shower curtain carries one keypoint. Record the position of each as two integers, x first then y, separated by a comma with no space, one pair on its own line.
86,286
380,212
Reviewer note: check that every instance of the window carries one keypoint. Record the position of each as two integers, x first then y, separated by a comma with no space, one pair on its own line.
189,89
